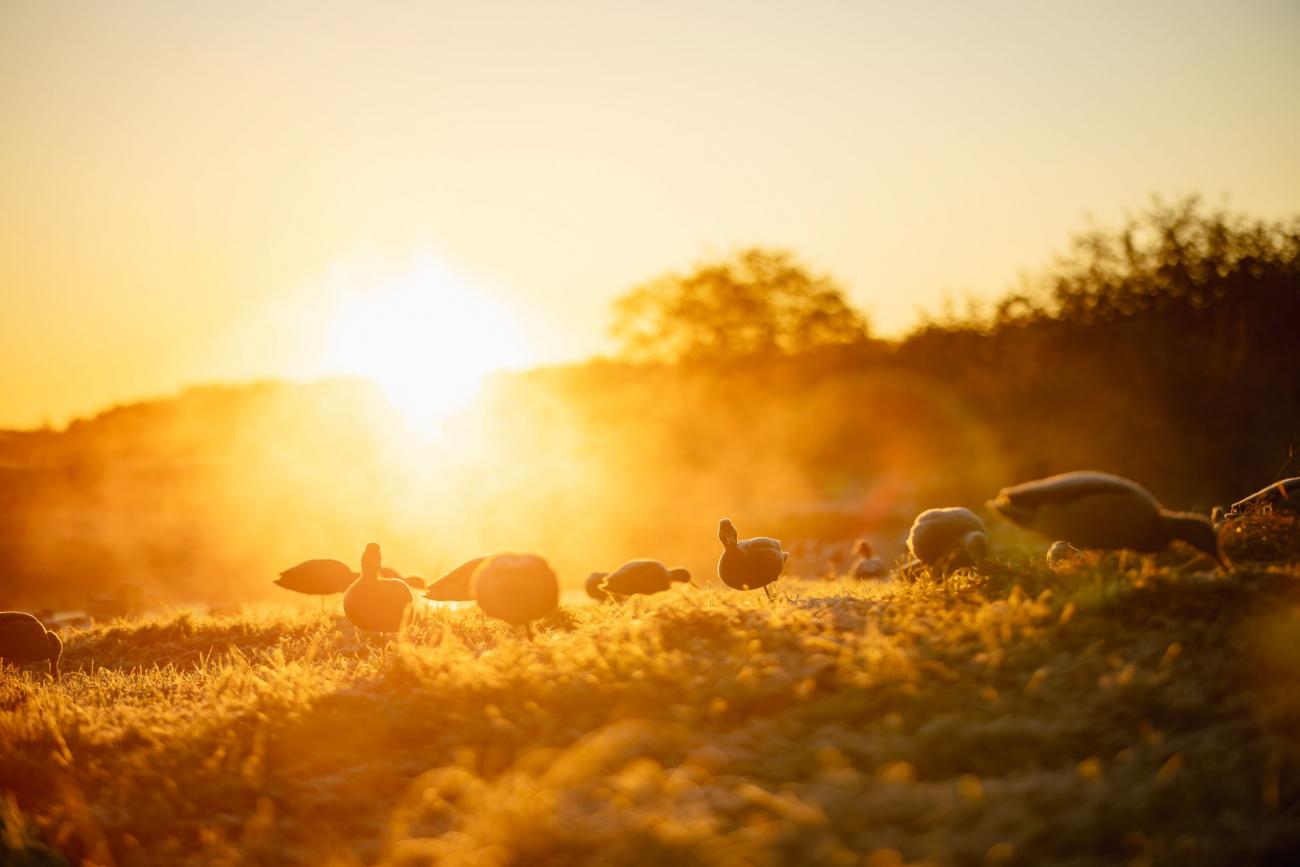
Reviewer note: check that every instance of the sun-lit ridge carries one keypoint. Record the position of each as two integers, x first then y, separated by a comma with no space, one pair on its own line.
427,337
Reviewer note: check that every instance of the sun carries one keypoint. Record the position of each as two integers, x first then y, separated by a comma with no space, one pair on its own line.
427,337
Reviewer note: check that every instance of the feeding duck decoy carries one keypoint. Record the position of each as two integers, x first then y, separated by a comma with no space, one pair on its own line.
317,577
454,586
867,565
1101,511
947,539
376,604
748,564
643,577
24,639
516,588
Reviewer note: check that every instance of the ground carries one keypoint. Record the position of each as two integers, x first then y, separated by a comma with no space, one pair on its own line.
1105,712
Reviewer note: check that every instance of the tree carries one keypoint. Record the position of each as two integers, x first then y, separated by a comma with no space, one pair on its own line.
758,302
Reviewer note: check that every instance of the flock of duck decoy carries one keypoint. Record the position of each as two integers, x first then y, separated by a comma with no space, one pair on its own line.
1081,510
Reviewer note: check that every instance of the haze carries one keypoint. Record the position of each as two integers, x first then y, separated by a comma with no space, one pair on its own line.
193,191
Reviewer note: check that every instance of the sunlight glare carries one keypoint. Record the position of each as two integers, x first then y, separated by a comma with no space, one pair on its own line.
427,337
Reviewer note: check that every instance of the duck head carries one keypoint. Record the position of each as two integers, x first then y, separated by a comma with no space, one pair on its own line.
681,576
727,533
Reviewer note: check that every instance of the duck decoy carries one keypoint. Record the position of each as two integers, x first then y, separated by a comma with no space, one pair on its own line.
516,588
867,565
318,578
1100,511
375,604
643,577
748,564
594,586
948,539
454,586
24,639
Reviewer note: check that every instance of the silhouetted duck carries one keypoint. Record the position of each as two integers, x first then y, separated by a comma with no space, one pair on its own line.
643,577
1100,511
24,639
317,577
516,588
748,564
376,604
947,539
454,586
867,565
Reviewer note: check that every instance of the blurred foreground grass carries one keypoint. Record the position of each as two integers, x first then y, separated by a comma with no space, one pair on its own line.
1023,716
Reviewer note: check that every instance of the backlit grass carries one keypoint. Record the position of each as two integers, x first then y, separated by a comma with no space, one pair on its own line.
1023,715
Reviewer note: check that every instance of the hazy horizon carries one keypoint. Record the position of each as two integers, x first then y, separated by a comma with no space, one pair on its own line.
203,193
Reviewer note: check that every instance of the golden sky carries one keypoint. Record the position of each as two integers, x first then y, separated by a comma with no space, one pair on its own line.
195,190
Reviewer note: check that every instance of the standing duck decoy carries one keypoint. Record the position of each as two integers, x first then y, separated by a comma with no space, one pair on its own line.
516,588
1100,511
748,564
24,639
375,604
867,565
318,578
454,586
643,577
595,586
948,539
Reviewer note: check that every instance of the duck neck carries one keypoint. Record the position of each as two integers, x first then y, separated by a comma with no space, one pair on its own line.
370,561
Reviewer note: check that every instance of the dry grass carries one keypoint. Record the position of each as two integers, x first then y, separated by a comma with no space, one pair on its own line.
1030,716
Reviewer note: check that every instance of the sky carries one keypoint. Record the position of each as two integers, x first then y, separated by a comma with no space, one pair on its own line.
197,191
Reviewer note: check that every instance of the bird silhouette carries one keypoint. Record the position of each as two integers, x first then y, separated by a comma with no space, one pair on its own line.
516,588
317,577
375,604
748,564
947,539
867,565
1100,511
642,577
24,639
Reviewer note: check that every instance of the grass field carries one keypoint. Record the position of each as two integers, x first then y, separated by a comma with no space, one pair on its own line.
1089,715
